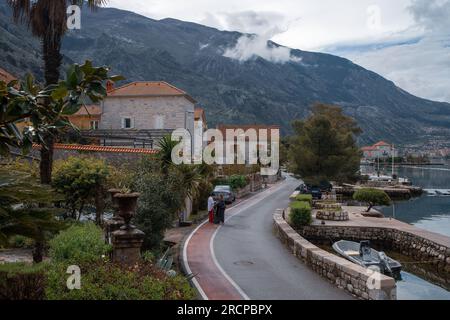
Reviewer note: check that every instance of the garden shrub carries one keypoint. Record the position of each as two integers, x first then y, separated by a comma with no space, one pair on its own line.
238,182
20,281
373,197
235,182
300,215
79,243
158,204
106,281
304,198
80,180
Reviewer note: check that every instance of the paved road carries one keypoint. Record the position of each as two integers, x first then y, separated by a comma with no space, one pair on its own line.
250,254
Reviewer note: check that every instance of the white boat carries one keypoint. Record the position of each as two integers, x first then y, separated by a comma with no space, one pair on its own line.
438,192
387,178
363,255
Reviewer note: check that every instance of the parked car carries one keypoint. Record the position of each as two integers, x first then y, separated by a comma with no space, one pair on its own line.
314,190
226,192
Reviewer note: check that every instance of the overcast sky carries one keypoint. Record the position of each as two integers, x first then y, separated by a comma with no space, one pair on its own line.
407,41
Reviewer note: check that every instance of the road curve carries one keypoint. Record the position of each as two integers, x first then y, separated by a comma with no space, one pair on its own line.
260,267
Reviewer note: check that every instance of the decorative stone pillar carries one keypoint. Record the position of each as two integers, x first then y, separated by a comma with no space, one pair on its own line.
127,246
127,241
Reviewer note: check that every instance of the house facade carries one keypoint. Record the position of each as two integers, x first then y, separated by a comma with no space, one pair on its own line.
87,118
379,150
231,147
147,106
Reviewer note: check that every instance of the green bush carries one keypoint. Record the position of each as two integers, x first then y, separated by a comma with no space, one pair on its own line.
373,197
79,243
235,182
300,215
158,204
106,281
80,180
20,281
304,198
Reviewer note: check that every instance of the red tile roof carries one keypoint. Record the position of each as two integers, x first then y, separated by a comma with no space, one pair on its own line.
368,148
89,110
5,76
381,144
148,88
94,148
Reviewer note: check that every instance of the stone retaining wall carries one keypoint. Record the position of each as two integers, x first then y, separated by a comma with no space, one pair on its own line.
404,242
360,282
330,215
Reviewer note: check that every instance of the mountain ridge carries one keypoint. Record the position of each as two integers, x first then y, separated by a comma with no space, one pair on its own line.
191,56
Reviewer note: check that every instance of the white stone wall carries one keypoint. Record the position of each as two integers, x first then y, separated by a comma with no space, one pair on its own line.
148,113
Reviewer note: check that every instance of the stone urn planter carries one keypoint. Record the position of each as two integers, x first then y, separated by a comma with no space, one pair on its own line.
112,193
127,204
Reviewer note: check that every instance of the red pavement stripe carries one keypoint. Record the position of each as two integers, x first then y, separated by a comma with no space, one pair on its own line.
214,285
198,254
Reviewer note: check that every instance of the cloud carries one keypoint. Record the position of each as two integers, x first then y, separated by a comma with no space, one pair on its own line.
416,59
251,46
432,15
260,28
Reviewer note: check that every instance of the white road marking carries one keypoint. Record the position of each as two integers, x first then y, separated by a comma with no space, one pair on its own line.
253,201
257,199
186,263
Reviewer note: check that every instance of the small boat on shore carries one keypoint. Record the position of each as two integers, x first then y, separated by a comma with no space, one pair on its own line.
363,255
438,192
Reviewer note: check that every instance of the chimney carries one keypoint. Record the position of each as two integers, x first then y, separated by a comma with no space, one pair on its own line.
109,86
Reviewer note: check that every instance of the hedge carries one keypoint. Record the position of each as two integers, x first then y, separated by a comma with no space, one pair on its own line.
236,182
300,215
20,281
304,198
107,281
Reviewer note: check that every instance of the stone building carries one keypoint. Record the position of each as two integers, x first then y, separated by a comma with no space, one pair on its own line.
87,118
147,106
380,150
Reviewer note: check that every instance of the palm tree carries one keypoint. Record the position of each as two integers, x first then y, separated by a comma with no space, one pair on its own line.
190,180
47,20
166,145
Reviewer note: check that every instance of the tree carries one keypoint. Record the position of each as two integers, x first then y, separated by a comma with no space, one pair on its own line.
46,109
324,149
373,197
82,181
26,209
47,20
166,145
160,200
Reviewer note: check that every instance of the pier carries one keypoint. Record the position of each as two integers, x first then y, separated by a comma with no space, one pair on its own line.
393,191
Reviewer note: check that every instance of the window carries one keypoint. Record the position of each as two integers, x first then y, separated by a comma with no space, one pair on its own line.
159,122
94,125
127,123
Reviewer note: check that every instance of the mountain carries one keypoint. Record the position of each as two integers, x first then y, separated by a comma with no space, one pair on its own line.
191,56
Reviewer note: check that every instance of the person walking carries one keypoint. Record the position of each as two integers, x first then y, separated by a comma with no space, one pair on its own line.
221,211
211,204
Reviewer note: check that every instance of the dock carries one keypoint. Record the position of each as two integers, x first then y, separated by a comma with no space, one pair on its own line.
395,191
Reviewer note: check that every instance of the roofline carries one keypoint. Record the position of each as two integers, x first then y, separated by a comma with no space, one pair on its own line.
181,92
